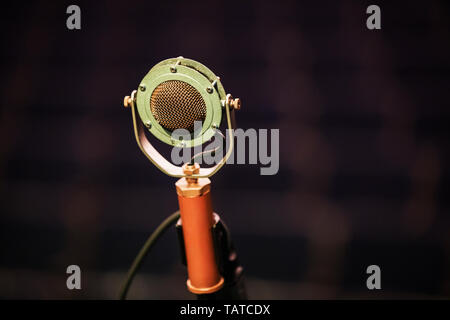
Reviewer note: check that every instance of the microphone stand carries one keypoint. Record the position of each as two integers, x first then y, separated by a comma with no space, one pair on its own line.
205,243
228,262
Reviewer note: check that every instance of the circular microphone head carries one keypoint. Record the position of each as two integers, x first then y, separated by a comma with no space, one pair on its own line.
180,102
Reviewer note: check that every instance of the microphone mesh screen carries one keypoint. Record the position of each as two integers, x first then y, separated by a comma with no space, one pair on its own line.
176,104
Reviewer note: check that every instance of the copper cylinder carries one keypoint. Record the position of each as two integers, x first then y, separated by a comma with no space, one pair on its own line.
194,199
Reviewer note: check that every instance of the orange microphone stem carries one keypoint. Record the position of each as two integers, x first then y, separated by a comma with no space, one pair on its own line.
197,221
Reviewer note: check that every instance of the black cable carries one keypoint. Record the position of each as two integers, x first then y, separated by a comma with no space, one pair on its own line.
173,218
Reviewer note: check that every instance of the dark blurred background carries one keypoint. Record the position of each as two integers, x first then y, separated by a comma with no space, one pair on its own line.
363,118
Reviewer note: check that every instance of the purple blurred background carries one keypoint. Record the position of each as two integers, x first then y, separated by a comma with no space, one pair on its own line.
363,118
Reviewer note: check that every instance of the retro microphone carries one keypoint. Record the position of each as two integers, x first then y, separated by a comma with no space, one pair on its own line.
174,95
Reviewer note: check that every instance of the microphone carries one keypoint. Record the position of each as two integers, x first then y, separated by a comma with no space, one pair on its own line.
173,95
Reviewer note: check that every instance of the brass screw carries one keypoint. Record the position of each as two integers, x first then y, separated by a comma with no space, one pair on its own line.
148,124
236,104
189,170
209,90
173,69
142,87
233,103
127,101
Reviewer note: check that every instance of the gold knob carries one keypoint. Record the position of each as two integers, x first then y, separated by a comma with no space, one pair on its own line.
190,169
236,104
127,101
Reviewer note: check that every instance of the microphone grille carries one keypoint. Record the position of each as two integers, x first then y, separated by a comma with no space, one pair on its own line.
176,104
